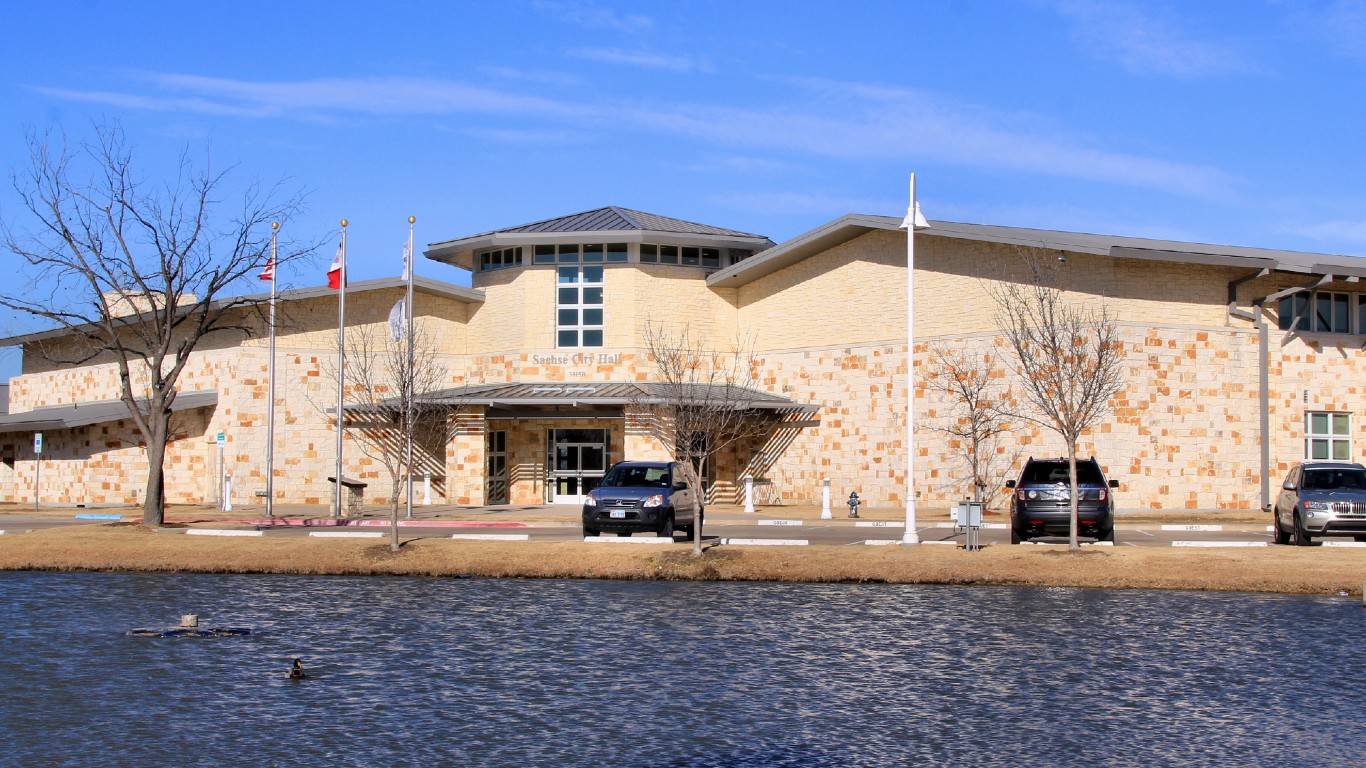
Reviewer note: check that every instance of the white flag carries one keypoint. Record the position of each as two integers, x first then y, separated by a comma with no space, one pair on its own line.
407,260
398,321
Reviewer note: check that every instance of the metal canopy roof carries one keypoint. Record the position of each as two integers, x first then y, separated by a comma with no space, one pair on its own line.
610,394
84,414
613,223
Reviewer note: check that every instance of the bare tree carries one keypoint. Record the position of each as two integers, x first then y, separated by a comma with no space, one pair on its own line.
136,273
700,403
1067,358
970,382
377,374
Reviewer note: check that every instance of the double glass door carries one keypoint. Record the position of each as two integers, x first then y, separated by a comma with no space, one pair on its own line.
577,461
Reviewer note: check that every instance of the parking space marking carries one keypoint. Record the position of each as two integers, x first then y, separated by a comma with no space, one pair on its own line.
1326,543
767,542
881,542
498,536
1192,527
1145,533
628,540
878,524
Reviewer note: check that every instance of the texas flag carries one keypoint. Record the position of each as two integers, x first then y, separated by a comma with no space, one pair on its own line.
269,272
334,272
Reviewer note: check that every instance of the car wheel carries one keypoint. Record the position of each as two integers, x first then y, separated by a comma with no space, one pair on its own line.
1108,536
1015,537
590,532
1278,534
666,528
1302,537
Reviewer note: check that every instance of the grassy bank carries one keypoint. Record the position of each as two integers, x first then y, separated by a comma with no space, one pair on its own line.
1293,570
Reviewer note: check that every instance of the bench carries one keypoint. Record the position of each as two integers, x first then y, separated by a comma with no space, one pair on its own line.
355,495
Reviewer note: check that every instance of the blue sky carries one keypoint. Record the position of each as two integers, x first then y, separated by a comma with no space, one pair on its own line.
1227,122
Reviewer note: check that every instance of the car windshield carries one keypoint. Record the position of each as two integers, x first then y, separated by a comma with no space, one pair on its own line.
1345,478
1088,473
636,477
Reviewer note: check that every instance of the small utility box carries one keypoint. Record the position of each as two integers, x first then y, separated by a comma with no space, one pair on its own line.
970,518
355,495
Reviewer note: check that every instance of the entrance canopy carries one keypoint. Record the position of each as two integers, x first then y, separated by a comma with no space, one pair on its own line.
607,399
84,414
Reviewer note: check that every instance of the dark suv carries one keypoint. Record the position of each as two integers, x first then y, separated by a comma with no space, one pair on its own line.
642,496
1041,501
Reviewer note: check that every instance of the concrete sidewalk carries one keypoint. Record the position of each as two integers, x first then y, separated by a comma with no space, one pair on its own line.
516,515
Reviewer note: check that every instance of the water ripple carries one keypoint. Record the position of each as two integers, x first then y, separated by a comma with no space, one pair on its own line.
514,673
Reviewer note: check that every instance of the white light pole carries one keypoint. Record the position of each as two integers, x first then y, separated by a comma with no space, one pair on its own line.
913,222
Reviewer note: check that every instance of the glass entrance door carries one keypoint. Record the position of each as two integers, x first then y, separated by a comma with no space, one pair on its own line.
577,462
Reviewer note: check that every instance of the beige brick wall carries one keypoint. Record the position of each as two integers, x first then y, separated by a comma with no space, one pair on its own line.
829,332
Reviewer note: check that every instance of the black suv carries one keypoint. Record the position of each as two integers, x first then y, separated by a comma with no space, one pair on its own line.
642,496
1041,501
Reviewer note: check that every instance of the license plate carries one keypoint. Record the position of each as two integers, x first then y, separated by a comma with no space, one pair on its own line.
616,513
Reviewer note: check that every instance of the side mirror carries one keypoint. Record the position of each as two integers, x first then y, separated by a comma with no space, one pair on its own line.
1010,483
1114,483
680,486
1289,486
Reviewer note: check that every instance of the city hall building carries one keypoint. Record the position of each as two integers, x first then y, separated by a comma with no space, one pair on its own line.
1238,362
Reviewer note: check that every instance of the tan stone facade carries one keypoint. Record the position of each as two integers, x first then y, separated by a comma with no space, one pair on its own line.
828,331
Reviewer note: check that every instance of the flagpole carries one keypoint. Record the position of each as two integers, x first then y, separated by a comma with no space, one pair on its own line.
270,373
411,384
341,371
911,534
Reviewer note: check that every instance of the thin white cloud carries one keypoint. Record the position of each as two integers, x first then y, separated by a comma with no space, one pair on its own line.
1144,43
1338,231
593,16
532,76
1340,23
639,59
782,203
827,119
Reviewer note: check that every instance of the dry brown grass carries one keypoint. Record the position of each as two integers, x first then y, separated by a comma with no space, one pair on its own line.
135,548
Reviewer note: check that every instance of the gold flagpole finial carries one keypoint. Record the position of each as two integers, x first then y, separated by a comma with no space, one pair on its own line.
343,222
275,225
412,219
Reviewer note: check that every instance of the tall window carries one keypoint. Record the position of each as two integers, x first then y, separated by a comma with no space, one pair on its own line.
578,307
1328,436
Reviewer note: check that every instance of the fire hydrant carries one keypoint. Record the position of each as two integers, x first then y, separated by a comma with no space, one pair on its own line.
853,504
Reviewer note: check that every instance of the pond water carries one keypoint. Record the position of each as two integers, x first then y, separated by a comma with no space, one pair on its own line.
433,672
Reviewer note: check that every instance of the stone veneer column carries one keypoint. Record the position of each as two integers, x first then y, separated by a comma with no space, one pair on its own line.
466,458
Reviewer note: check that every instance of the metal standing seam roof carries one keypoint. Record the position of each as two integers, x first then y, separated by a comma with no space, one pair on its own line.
850,226
613,222
614,218
84,414
602,393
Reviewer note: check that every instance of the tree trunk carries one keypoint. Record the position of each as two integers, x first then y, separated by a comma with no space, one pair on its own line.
393,523
1072,544
154,500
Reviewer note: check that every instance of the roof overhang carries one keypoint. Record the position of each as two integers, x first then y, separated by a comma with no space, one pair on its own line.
461,252
421,284
805,245
515,396
57,417
850,226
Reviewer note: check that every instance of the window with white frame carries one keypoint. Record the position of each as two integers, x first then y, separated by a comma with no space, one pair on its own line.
1328,436
578,306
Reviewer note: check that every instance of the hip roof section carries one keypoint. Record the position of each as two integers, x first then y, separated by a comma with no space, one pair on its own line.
612,223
